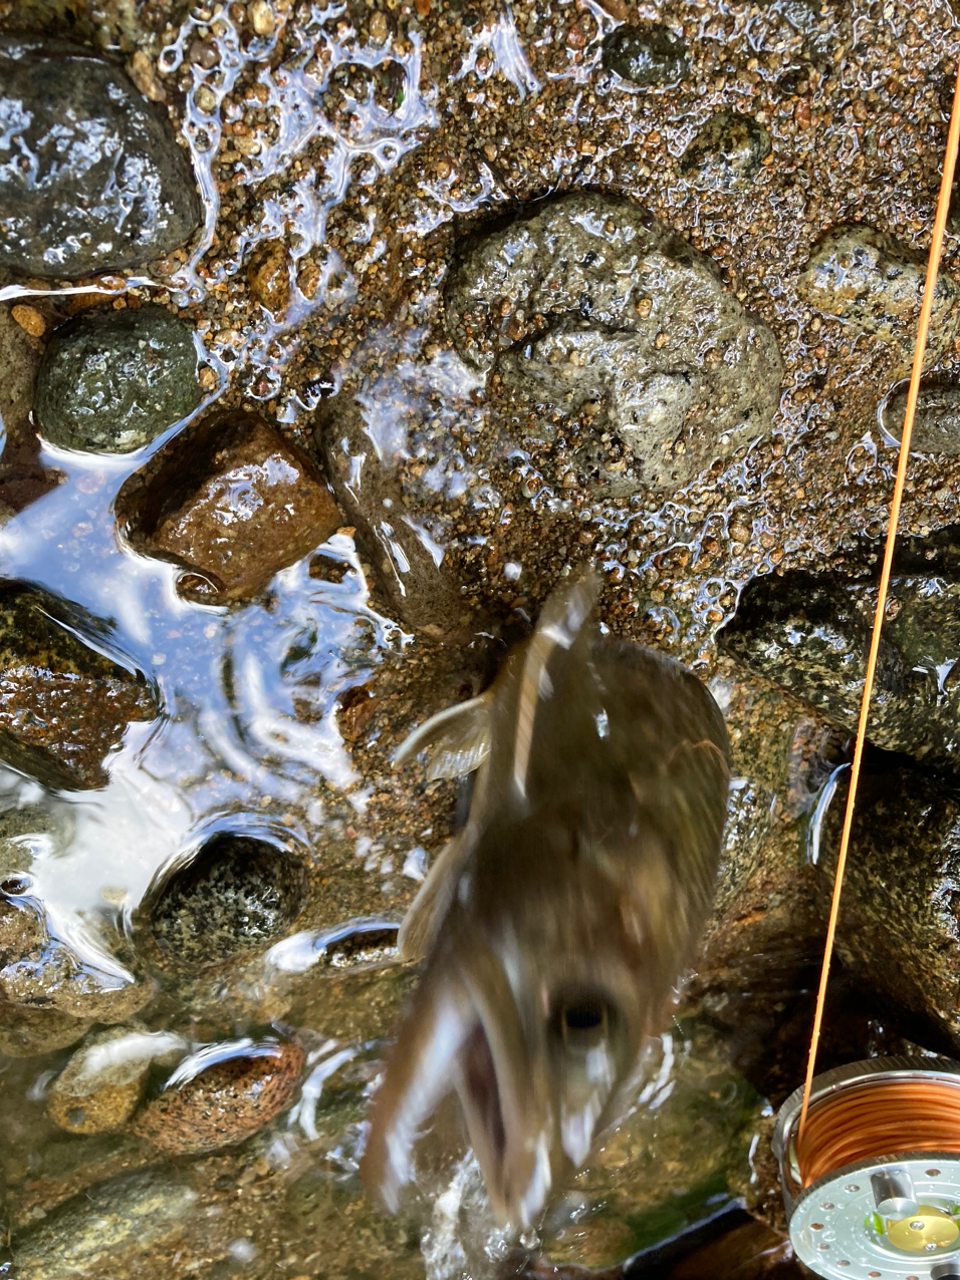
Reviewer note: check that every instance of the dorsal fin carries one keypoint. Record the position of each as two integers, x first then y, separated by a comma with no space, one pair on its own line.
561,621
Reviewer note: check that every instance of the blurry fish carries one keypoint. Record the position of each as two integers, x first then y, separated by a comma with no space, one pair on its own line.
556,924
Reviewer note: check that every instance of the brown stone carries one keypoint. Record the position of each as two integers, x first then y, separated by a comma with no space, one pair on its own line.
233,502
224,1103
64,706
269,276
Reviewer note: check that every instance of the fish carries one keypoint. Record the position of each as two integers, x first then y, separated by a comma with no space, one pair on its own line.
555,926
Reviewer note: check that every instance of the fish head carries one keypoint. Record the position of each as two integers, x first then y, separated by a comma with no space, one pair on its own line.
533,1007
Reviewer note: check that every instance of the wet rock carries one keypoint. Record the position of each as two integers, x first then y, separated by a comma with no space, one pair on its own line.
92,1233
809,634
268,273
29,830
936,425
591,300
236,895
65,703
899,929
111,381
99,1088
22,478
874,282
646,54
233,502
106,187
40,969
28,1033
397,443
222,1096
727,152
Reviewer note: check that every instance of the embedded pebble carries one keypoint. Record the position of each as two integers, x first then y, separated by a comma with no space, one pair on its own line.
727,152
236,895
107,188
592,300
936,425
112,381
99,1088
233,502
215,1101
873,281
268,273
66,705
646,54
93,1231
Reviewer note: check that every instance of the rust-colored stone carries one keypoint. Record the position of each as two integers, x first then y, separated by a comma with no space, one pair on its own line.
234,502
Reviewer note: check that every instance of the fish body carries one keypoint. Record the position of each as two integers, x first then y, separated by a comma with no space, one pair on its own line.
556,924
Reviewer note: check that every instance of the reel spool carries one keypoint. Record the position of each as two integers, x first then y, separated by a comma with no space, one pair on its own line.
872,1191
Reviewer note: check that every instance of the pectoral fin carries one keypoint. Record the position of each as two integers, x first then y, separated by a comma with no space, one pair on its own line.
430,904
457,740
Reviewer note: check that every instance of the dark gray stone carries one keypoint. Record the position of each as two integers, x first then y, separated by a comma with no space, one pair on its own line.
112,381
936,426
646,54
91,178
809,634
727,151
236,895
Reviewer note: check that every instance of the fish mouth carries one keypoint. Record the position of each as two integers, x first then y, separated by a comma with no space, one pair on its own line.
468,1037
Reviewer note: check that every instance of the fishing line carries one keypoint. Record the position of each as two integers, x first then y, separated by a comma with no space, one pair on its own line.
923,329
870,1153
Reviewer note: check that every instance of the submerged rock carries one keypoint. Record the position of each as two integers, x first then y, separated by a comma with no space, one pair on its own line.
646,54
28,1033
809,634
111,381
40,969
65,703
99,1088
936,425
590,299
727,151
233,502
222,1096
236,895
29,830
91,178
872,281
89,1234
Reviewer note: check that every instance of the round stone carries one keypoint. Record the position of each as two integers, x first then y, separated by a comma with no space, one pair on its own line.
238,894
112,381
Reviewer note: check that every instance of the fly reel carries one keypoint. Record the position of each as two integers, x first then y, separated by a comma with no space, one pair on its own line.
872,1189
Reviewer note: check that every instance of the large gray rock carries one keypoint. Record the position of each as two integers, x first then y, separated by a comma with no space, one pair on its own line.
591,299
91,178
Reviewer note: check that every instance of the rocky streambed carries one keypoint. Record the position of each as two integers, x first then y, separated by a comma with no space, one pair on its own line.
331,337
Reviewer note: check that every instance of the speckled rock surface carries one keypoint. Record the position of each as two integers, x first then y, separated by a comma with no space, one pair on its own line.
206,1107
27,831
120,1219
233,503
646,54
592,301
727,151
237,894
63,704
875,283
111,381
29,1033
91,178
936,424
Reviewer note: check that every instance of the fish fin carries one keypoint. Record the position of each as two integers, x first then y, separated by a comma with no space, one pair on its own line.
456,739
561,622
430,904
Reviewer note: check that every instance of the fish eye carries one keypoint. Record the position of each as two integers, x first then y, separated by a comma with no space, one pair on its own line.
582,1019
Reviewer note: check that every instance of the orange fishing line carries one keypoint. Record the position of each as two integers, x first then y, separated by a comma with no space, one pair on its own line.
933,263
877,1119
